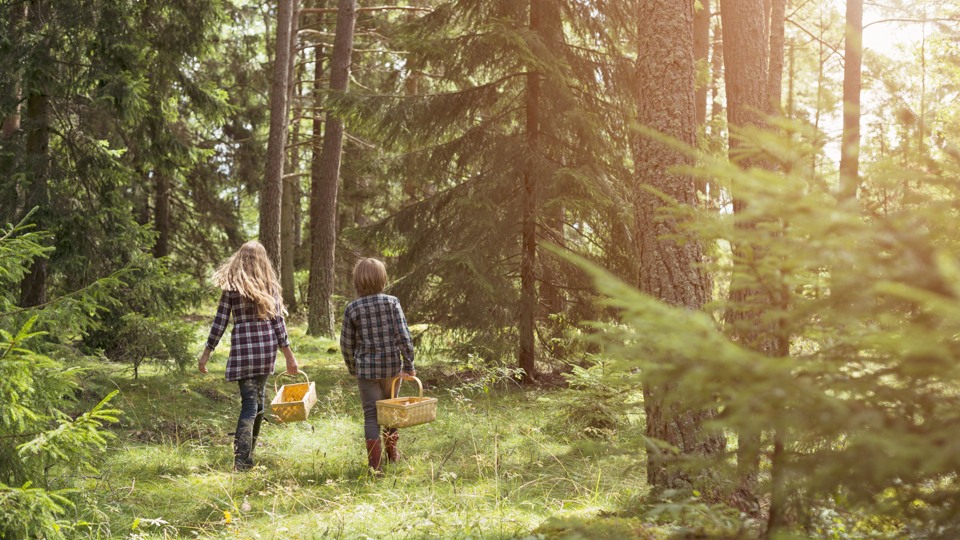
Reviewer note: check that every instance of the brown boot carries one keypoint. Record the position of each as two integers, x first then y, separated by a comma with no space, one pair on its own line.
390,438
374,451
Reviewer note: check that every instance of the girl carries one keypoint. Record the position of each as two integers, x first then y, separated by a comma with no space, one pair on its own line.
376,347
251,295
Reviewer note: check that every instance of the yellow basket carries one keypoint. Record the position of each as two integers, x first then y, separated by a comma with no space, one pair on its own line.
293,401
401,412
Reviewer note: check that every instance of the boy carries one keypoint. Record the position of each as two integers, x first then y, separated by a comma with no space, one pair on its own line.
376,347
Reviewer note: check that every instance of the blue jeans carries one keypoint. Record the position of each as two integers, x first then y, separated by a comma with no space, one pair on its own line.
253,393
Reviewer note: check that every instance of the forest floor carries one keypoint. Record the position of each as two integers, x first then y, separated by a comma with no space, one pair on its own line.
499,462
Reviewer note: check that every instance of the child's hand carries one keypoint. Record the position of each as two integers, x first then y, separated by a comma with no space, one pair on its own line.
407,375
202,363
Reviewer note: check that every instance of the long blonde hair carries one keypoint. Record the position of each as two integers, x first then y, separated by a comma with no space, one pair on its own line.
249,272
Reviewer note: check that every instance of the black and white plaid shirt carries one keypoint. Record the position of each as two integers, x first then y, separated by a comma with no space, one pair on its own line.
375,340
254,341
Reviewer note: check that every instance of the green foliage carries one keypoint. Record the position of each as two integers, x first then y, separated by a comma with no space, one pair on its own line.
461,146
865,400
40,444
597,407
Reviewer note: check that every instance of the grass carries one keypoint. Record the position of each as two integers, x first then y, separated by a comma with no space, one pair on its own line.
498,463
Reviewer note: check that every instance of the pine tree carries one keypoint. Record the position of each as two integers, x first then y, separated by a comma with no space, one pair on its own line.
465,144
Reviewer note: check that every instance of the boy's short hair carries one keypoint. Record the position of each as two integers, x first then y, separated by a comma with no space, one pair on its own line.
369,276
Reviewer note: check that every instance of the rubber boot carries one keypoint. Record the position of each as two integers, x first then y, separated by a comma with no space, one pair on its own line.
390,438
374,452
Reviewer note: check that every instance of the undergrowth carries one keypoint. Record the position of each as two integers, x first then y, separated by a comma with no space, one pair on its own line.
497,463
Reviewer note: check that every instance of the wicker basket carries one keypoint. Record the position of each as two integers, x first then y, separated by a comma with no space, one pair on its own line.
401,412
293,401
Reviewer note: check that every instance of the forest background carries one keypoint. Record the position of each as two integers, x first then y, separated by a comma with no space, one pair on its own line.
675,268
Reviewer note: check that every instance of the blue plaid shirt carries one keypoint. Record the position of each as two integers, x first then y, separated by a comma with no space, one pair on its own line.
375,340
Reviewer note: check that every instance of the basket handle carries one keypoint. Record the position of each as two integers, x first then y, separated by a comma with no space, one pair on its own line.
394,388
285,374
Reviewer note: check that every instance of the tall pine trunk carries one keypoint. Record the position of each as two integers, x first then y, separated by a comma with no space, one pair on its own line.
669,270
528,202
746,49
701,53
161,212
325,182
33,286
272,191
775,71
850,138
11,124
291,181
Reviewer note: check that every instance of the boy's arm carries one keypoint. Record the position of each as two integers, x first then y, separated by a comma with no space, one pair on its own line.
406,342
347,342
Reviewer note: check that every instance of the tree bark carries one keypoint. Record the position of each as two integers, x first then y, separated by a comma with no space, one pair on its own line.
850,138
326,178
716,72
528,202
775,71
272,191
11,124
161,212
746,48
669,270
33,286
701,52
290,182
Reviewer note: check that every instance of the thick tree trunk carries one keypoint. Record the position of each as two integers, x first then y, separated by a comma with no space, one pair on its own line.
33,286
290,182
272,191
850,139
325,184
528,202
161,212
775,71
746,48
669,270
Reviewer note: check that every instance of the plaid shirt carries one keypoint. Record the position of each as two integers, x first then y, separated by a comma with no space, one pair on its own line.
374,337
253,343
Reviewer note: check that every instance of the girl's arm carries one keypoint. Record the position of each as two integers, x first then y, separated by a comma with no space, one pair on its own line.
292,368
220,322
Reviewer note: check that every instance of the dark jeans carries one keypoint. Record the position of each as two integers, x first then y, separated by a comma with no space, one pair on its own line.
253,393
370,391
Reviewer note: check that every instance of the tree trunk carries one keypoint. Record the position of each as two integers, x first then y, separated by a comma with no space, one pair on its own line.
528,203
272,191
775,72
33,286
290,182
161,212
669,270
11,124
746,49
326,178
850,139
716,72
701,52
